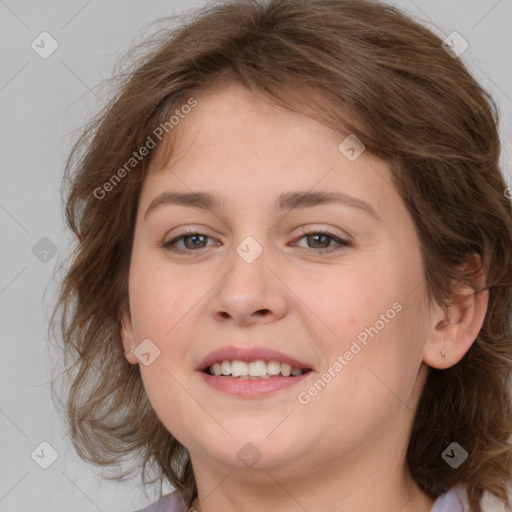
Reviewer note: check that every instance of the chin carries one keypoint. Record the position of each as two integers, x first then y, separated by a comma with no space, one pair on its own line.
255,448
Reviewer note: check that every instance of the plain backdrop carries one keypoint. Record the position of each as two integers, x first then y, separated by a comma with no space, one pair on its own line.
44,102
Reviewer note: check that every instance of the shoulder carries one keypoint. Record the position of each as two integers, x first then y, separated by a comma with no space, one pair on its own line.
454,500
170,503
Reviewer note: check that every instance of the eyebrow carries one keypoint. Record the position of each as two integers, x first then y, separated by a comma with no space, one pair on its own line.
285,201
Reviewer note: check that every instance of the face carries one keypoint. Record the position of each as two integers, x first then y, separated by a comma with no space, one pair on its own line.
307,259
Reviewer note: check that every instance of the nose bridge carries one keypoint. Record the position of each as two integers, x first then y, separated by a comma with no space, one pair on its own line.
248,276
249,291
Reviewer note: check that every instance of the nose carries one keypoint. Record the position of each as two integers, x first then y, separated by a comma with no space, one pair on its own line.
250,293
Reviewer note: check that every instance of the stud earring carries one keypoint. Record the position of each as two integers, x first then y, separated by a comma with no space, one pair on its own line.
443,353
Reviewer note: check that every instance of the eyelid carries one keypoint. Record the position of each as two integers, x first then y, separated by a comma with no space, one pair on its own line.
328,230
184,234
340,241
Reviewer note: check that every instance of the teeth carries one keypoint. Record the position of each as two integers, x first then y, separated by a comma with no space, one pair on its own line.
239,369
253,370
274,368
257,368
286,370
225,368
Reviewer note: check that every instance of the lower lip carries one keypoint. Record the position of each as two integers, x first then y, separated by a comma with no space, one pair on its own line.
248,388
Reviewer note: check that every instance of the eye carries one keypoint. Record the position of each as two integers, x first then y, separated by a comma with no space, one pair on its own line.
322,242
192,240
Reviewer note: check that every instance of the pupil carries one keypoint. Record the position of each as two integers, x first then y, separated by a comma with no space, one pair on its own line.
318,236
193,244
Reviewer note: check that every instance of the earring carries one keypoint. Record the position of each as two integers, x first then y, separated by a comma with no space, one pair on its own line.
127,351
443,353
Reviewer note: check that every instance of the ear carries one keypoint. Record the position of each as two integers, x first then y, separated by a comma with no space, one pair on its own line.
127,338
455,328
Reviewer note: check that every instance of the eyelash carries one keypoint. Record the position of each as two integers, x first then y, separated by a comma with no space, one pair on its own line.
342,243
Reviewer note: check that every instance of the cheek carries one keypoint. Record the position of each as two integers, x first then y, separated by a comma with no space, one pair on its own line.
173,404
369,318
159,311
157,300
345,301
381,360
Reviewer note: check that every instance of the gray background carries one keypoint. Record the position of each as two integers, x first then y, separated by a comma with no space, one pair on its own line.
44,103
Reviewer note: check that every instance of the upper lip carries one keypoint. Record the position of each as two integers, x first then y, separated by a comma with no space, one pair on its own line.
249,354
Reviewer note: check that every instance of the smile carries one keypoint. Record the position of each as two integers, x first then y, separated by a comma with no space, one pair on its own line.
251,372
253,369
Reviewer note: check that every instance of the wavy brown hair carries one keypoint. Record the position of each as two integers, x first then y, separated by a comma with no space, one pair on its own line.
357,66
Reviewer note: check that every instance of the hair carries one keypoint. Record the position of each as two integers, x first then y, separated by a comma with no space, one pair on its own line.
360,67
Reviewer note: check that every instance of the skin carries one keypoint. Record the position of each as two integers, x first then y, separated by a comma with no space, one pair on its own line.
345,449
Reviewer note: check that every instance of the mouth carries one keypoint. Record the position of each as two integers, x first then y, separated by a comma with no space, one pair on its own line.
251,372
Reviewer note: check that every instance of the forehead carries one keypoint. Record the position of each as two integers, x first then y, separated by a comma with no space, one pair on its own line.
230,115
240,145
